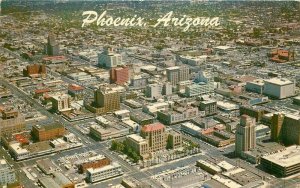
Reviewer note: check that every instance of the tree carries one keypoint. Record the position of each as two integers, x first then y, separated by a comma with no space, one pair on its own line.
135,157
257,32
117,146
169,143
113,146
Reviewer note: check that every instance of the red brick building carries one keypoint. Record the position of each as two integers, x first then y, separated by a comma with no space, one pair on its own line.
282,56
94,162
119,75
47,132
35,70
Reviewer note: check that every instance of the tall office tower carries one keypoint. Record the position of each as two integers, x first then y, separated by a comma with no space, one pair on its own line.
156,136
184,73
107,99
108,58
173,75
245,138
276,125
119,75
167,89
61,102
177,74
154,91
291,130
285,128
52,47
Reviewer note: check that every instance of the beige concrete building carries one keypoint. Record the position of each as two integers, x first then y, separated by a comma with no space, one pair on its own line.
11,122
153,138
175,139
245,137
156,136
61,102
138,144
105,100
283,163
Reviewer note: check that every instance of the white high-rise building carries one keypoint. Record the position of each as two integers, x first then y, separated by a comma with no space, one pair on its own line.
184,73
158,90
108,58
173,75
154,91
167,89
245,136
177,74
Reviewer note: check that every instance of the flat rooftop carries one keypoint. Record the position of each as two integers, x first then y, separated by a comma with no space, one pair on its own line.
279,81
285,158
191,126
241,176
172,68
38,147
105,168
49,126
137,138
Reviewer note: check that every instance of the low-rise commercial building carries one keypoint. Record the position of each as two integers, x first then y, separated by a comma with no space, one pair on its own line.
283,163
47,166
58,180
141,118
130,182
98,174
208,167
296,100
256,86
102,133
153,108
97,161
191,129
179,114
217,136
197,89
